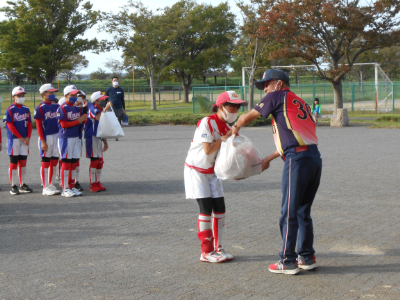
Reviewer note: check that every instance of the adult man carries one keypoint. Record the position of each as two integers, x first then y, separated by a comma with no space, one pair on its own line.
47,127
295,138
94,147
19,130
69,117
117,98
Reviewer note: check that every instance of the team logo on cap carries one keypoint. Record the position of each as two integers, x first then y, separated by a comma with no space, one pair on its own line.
74,88
20,89
234,95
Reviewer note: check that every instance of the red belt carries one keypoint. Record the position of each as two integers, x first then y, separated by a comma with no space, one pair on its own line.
301,149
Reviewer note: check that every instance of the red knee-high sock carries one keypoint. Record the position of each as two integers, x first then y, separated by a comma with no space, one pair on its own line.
44,172
65,174
71,176
218,229
92,171
22,171
59,167
204,222
12,172
53,166
99,168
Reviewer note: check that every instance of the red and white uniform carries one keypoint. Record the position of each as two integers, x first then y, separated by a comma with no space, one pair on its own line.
200,179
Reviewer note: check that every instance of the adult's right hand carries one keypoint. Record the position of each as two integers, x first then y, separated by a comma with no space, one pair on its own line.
82,118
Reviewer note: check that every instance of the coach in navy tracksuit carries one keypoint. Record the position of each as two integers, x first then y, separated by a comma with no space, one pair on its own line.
117,97
296,141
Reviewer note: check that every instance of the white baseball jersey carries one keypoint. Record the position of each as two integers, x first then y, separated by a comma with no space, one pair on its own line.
209,129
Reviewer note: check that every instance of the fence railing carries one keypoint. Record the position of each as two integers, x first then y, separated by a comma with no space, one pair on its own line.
381,97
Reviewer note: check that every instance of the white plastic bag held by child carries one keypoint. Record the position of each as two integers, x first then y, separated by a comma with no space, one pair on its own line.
237,158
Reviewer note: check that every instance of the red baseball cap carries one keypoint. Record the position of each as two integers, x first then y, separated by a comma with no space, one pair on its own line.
231,97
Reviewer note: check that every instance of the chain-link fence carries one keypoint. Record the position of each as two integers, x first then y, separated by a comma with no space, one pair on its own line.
356,96
135,98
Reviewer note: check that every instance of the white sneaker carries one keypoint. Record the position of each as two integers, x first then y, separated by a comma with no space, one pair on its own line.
47,191
213,257
53,188
221,251
76,192
60,185
68,193
58,178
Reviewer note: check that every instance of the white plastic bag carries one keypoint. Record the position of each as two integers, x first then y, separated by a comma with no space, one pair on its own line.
109,126
237,158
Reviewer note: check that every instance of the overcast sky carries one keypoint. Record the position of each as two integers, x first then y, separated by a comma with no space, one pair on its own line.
113,6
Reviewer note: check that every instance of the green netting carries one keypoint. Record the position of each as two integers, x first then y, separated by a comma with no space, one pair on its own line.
356,96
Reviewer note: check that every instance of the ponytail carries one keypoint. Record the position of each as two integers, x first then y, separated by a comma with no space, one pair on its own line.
214,108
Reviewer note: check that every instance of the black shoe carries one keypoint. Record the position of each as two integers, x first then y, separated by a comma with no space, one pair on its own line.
78,186
14,190
25,189
116,139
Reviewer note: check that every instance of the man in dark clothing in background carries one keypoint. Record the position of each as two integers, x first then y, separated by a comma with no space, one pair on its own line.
117,97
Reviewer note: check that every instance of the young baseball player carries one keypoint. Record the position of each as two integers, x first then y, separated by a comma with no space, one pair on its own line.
81,102
19,130
69,117
94,147
60,102
202,184
47,127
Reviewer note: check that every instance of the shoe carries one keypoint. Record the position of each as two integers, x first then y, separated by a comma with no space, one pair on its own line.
78,186
60,185
58,178
41,184
68,193
53,188
14,190
94,188
47,191
213,257
308,264
116,139
101,188
221,251
76,192
25,189
280,268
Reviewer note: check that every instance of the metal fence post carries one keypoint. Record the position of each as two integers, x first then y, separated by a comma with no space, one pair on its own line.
353,95
393,96
193,89
159,95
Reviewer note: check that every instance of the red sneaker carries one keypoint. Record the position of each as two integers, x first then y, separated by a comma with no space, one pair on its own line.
94,188
102,188
280,268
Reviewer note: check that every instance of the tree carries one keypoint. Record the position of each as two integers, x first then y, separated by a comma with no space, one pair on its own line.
145,35
204,43
74,65
99,74
40,36
116,67
328,31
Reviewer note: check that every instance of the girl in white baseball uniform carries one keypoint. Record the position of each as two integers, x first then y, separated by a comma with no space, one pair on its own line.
202,184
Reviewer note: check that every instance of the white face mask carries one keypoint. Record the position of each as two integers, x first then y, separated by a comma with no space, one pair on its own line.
20,100
115,83
276,86
230,118
79,101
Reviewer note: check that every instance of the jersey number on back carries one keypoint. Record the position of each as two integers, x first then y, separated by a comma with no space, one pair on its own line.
305,112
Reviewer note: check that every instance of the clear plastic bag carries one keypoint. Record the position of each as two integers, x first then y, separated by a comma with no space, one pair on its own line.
237,158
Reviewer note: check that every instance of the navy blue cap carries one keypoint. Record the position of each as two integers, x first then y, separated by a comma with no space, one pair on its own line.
272,74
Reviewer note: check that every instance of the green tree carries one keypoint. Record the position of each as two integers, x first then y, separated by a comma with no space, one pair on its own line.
40,36
73,66
205,40
146,35
330,31
99,74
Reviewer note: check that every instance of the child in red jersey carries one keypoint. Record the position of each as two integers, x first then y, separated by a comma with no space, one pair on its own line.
202,184
19,130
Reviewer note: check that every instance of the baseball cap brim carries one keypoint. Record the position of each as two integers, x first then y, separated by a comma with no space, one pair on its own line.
240,102
102,98
260,84
52,90
17,93
74,92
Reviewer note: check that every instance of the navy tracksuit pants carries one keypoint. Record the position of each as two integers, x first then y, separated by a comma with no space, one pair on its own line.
300,182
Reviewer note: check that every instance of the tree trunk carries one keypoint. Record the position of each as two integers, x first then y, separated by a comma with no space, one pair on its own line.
337,95
251,92
204,79
185,92
153,93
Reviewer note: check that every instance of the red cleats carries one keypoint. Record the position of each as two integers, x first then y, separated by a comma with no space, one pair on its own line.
94,188
102,188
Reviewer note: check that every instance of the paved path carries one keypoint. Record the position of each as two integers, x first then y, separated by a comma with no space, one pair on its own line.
138,240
